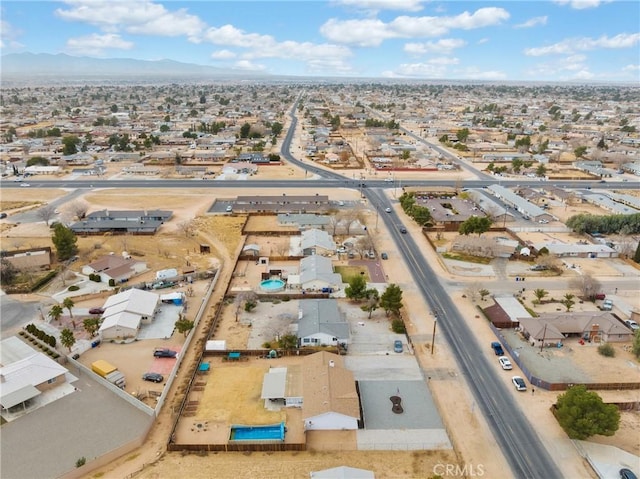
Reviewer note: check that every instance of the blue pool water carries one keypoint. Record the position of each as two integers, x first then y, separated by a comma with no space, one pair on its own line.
272,284
253,433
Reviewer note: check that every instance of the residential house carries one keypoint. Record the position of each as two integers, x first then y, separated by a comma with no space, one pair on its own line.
118,268
315,241
124,313
320,322
315,274
330,396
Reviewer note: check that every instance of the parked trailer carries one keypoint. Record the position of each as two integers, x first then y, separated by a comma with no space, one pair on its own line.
109,372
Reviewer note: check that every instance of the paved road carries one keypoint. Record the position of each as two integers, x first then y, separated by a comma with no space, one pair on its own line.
517,439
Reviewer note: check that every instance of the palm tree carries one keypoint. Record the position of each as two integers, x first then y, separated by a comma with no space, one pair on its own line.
67,338
55,312
539,294
568,301
68,304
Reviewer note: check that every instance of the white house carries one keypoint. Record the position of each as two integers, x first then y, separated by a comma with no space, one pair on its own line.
124,313
321,322
315,241
329,392
316,273
118,268
343,472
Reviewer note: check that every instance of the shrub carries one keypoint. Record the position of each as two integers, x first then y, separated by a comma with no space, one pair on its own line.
73,287
606,350
112,282
397,326
81,461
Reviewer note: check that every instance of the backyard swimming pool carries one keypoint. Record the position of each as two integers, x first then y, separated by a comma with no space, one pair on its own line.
272,285
272,432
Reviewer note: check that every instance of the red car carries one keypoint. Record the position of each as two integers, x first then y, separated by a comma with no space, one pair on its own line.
96,311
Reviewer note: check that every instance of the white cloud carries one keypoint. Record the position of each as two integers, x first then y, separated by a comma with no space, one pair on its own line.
265,46
631,68
95,44
8,35
372,32
223,55
532,22
421,70
571,45
140,17
377,5
581,4
443,46
482,40
248,66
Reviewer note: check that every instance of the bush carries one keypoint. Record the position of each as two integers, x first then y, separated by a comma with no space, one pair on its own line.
397,326
81,462
112,282
606,350
73,287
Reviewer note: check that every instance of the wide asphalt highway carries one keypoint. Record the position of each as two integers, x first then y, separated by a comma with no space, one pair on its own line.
517,439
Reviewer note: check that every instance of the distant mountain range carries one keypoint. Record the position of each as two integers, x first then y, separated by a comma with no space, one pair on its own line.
66,67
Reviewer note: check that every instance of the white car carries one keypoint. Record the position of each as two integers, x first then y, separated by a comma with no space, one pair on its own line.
519,383
388,210
229,209
24,185
505,363
389,180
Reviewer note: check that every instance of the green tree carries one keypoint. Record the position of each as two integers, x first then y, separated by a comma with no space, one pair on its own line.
91,325
516,165
568,301
580,151
67,339
55,312
475,224
114,108
357,288
68,303
636,256
582,414
70,145
183,326
463,135
164,128
276,128
539,294
65,242
541,171
602,145
391,300
244,130
635,347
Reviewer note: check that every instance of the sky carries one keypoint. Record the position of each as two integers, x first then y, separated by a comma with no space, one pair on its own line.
552,40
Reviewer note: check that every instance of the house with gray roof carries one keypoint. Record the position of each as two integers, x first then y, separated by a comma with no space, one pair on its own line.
315,241
526,208
316,273
320,322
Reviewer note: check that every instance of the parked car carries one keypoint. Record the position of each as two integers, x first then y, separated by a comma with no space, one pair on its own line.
96,311
229,209
627,474
519,383
607,305
599,296
3,215
505,363
164,353
538,267
341,249
397,346
153,377
497,348
631,324
384,255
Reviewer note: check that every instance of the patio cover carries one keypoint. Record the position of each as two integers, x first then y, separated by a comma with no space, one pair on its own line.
274,384
19,396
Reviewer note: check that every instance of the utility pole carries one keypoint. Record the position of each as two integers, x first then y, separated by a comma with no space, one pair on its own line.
544,333
433,336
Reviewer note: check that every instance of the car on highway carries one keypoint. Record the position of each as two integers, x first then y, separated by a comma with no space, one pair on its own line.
627,474
96,311
164,353
388,210
497,348
505,363
519,383
25,185
389,180
397,346
402,230
384,255
153,377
